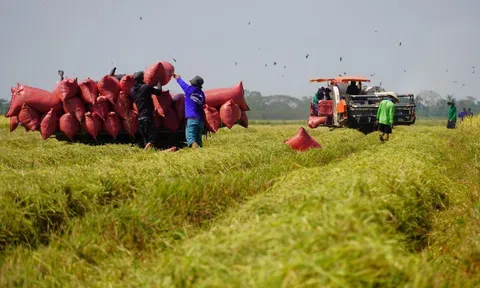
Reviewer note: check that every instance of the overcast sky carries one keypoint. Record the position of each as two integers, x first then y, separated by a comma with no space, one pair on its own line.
207,37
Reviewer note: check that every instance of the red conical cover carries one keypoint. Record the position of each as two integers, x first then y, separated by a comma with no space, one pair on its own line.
315,121
302,141
218,97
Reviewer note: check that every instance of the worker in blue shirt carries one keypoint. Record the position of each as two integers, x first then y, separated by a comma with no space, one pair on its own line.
194,101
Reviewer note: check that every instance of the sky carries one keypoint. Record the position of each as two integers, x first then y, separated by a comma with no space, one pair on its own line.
87,38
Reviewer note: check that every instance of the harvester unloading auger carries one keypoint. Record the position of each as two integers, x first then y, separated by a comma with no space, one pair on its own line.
338,109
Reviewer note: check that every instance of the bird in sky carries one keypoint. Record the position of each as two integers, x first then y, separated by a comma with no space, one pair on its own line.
371,75
306,57
400,44
236,63
174,60
141,18
341,58
274,63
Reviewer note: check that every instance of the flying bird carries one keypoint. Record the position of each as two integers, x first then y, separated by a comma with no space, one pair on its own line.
344,73
339,75
283,76
265,65
274,63
341,58
376,31
249,23
284,66
404,70
306,57
455,81
473,67
235,63
463,85
446,70
371,75
380,83
141,18
400,44
174,60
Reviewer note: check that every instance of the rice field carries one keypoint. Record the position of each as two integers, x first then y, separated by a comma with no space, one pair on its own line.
245,210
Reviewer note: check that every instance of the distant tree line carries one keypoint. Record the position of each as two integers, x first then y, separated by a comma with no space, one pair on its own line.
283,107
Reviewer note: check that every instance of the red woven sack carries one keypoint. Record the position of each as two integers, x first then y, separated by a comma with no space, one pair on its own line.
126,84
179,106
92,124
123,106
230,113
112,124
315,121
89,91
75,107
162,102
169,70
154,74
48,124
212,119
13,123
38,99
29,118
101,108
69,125
66,88
109,87
218,97
131,124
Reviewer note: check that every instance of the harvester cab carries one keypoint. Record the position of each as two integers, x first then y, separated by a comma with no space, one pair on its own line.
335,108
359,110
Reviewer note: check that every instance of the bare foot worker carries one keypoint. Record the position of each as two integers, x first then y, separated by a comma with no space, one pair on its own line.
385,116
194,100
141,94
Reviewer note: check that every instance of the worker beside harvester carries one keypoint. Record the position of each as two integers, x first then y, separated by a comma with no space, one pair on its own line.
194,100
141,94
452,115
385,116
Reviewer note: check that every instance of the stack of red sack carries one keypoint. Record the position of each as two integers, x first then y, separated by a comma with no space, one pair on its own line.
92,107
227,106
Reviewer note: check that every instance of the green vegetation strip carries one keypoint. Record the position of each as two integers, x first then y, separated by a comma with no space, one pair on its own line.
355,213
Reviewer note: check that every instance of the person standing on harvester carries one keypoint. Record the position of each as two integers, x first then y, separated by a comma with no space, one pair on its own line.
385,115
194,100
141,94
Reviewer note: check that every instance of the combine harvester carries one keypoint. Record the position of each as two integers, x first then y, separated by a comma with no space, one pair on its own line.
357,111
